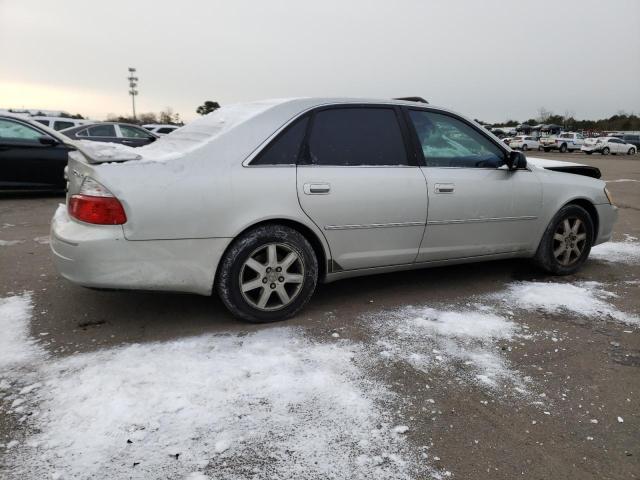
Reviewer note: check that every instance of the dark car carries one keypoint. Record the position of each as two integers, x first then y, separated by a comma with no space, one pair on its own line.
113,132
32,157
631,138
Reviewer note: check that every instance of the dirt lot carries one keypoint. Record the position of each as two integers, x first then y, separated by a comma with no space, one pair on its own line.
553,391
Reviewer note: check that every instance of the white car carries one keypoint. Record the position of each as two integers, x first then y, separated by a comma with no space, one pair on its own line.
564,142
61,123
259,202
524,143
160,128
607,145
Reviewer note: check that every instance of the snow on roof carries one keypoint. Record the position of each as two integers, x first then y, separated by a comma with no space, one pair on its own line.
186,139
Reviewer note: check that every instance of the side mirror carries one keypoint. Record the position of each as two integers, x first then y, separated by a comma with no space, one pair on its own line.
49,141
516,160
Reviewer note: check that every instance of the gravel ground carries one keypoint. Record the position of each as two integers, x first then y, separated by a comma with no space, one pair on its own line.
483,371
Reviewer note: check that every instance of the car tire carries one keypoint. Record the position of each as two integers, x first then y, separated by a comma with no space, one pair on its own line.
563,148
588,153
546,149
255,267
524,147
571,230
606,151
632,151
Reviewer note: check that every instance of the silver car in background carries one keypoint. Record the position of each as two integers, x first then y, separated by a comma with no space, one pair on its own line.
261,201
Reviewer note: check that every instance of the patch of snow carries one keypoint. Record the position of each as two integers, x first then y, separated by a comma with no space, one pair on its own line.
617,252
586,299
271,402
45,240
8,243
461,341
196,476
16,347
621,180
186,139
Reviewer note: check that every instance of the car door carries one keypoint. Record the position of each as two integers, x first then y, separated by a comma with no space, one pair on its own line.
477,206
355,181
29,158
619,146
134,136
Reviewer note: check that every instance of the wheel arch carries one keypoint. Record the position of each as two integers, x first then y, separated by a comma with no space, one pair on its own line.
591,210
320,248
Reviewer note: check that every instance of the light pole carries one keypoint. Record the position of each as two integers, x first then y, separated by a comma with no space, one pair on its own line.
133,83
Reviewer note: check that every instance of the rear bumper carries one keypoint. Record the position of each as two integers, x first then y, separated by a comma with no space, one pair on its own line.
100,256
607,216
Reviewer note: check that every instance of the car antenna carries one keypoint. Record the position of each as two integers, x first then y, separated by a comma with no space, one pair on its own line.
412,99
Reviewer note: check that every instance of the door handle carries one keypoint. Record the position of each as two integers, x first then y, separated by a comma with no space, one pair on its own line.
316,188
445,187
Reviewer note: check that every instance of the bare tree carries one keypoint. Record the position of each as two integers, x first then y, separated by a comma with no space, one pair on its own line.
544,114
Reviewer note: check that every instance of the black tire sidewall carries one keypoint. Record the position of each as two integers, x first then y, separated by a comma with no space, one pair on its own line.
544,256
228,278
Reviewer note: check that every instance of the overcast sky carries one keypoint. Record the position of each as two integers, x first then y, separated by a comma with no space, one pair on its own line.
487,59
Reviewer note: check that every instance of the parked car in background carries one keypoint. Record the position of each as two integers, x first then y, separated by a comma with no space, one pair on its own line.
524,143
607,145
291,199
565,142
60,123
631,138
32,156
160,129
112,132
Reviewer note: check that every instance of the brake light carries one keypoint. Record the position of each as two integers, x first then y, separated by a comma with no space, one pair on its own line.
94,203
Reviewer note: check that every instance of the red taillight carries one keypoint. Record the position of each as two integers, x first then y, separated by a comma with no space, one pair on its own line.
97,210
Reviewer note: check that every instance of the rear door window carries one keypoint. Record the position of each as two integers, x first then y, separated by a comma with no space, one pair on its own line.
133,132
356,137
449,142
285,148
166,130
59,125
101,131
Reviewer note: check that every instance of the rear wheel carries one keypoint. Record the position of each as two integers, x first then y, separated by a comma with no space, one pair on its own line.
632,151
268,274
606,151
563,148
566,242
524,147
588,153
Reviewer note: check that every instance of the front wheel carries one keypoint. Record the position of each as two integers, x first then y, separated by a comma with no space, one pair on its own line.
606,151
632,151
268,274
547,149
563,148
524,147
566,242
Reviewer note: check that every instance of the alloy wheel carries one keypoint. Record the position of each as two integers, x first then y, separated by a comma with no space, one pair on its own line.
569,241
272,276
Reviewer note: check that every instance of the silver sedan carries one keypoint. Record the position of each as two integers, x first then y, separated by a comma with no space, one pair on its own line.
261,201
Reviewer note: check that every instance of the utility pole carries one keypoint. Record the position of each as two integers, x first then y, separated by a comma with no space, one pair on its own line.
133,83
